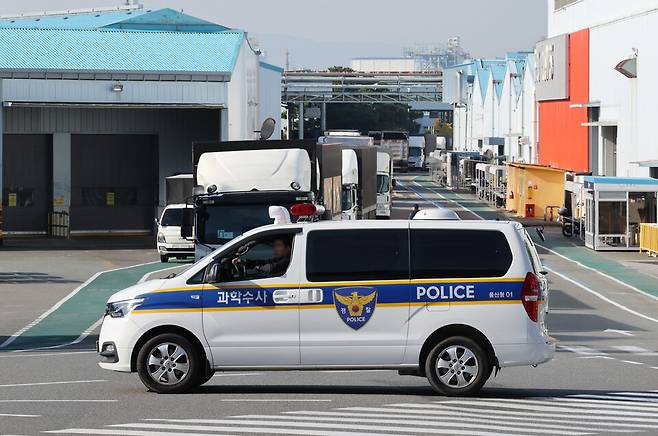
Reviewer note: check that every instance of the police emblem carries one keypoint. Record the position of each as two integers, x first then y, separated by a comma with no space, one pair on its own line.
355,305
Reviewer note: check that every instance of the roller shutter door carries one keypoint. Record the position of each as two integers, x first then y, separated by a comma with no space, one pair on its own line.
26,182
113,183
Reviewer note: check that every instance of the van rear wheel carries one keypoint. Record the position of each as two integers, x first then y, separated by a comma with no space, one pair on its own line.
457,366
169,364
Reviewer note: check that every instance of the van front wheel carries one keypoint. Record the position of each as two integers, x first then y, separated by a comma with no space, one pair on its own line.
457,366
169,364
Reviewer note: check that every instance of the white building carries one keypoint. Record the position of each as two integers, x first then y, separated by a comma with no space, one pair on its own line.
494,106
618,41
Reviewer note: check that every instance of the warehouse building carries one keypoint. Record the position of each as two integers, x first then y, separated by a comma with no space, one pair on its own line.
100,106
597,87
494,101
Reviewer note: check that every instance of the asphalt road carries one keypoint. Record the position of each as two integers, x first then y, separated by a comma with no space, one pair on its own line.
604,379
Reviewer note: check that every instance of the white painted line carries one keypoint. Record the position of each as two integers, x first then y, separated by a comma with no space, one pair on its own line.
280,400
594,402
16,415
474,416
106,431
57,305
621,332
636,394
342,371
609,277
417,421
548,408
582,350
25,354
263,430
324,428
52,383
58,401
646,401
597,357
423,409
635,350
654,367
601,296
632,362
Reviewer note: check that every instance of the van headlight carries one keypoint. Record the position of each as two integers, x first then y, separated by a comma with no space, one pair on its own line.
161,237
119,309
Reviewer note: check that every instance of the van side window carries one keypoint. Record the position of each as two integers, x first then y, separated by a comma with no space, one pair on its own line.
451,253
351,255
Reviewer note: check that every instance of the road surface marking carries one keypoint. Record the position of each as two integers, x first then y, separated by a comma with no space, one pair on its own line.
582,350
418,421
21,353
126,432
470,416
230,374
325,428
16,415
58,401
601,296
281,400
52,383
635,350
621,332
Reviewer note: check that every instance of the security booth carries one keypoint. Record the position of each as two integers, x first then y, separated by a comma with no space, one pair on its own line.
534,190
615,208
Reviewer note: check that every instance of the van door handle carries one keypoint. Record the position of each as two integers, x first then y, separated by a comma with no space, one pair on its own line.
311,296
285,296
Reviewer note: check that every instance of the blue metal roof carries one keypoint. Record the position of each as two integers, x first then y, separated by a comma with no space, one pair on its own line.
118,51
621,180
139,19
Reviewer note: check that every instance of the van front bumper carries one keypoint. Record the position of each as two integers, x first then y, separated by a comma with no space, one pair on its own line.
121,334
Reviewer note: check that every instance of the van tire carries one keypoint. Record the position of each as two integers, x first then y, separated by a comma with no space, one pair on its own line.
164,258
189,355
446,354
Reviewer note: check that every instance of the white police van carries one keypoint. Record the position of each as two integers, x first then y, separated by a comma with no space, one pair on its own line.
449,300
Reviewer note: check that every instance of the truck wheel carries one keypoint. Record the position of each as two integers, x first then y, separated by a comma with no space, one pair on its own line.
164,258
169,364
457,366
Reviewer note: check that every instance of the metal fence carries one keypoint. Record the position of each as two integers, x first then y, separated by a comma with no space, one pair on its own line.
58,224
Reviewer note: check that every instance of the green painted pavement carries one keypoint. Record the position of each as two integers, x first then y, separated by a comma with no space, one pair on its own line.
559,244
81,311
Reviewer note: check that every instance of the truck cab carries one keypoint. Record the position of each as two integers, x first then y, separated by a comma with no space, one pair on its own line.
170,243
416,152
236,182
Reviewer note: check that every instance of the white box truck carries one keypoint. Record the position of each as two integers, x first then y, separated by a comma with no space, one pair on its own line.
236,183
416,152
350,191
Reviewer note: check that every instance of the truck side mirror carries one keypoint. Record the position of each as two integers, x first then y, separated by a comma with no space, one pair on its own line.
394,183
187,224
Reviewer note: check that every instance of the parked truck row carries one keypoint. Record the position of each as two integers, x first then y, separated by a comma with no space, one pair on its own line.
233,184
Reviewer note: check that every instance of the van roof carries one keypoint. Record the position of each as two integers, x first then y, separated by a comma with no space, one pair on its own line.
371,224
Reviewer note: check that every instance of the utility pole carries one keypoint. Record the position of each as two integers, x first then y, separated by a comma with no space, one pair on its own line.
287,60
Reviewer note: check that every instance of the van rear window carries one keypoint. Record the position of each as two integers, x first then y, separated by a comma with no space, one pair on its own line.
352,255
447,253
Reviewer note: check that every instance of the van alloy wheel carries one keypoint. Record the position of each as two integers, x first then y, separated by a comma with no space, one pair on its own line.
168,363
457,366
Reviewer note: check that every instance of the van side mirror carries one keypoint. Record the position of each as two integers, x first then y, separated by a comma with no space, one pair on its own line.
157,222
187,224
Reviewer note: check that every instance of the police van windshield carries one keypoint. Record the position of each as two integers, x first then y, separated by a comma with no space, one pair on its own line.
383,183
218,224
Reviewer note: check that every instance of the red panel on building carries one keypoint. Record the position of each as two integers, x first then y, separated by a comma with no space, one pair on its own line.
563,140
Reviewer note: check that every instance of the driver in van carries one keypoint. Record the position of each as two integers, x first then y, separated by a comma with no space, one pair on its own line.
275,266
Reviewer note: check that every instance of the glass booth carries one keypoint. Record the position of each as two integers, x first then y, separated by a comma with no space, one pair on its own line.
614,209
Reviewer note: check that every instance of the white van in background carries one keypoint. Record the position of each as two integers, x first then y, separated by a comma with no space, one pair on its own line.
416,152
170,242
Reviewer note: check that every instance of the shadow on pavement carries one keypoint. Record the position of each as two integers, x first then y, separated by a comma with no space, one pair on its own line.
314,389
31,278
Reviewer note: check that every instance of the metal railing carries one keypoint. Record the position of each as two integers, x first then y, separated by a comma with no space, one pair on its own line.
58,224
649,239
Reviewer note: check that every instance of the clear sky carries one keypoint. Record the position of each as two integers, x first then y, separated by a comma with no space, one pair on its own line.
322,33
